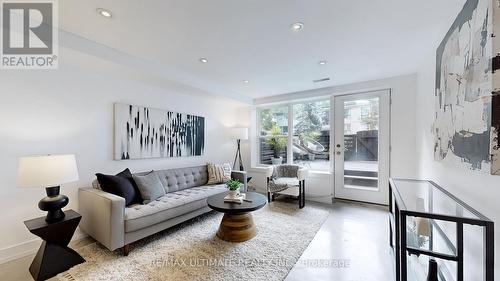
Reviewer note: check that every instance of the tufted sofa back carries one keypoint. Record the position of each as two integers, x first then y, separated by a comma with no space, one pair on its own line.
182,178
177,179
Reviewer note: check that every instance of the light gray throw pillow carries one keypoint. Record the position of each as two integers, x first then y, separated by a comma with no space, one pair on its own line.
149,186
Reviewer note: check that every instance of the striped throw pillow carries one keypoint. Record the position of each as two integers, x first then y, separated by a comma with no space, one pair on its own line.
218,173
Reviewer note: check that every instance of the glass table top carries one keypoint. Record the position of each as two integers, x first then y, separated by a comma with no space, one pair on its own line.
427,197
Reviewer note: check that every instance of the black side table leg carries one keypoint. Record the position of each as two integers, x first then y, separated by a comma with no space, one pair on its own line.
53,259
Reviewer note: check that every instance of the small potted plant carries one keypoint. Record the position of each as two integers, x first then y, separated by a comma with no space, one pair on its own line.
234,187
277,143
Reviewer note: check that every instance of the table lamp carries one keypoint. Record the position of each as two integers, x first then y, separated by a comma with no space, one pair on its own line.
49,172
238,134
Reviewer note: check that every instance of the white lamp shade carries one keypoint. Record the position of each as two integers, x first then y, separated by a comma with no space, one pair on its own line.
239,133
46,170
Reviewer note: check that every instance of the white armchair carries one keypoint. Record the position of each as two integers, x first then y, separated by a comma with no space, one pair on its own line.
288,180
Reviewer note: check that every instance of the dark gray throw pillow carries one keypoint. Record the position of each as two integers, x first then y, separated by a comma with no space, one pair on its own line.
149,186
119,185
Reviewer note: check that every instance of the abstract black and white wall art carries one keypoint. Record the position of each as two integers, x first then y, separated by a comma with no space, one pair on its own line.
143,132
463,120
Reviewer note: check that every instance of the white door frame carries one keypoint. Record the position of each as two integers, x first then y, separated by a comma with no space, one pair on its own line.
379,195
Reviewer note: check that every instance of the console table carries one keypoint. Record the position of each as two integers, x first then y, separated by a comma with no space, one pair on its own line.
414,203
54,256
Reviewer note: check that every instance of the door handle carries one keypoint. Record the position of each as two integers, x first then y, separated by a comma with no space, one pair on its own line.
339,149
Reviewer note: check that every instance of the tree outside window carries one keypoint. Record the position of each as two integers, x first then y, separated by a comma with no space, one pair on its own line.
310,138
311,134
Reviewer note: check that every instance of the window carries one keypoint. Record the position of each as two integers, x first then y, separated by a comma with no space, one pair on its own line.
347,113
273,135
347,129
310,135
365,110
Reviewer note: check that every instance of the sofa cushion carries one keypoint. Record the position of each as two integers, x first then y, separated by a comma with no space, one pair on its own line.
150,187
127,174
218,173
119,185
286,181
280,184
182,178
171,205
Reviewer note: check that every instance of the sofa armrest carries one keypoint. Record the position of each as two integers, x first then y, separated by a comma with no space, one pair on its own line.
102,216
302,173
242,177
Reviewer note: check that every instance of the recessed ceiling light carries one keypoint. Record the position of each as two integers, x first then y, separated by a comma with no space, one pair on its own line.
105,13
246,81
323,62
203,60
297,26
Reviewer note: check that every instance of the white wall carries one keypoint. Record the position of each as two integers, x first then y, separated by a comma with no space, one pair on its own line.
403,114
478,189
71,111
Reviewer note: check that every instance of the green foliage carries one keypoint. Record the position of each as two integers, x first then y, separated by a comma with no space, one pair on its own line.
308,116
276,143
314,135
275,131
275,116
266,118
233,184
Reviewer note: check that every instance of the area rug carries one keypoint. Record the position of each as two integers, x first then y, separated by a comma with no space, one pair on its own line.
191,251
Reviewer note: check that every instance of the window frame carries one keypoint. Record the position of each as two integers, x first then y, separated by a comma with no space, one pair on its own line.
289,134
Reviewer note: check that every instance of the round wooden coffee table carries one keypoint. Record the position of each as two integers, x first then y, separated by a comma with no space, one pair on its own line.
237,224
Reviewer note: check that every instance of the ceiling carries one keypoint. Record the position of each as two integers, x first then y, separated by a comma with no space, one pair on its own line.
252,40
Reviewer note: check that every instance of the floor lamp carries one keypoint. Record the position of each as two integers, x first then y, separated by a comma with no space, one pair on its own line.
239,134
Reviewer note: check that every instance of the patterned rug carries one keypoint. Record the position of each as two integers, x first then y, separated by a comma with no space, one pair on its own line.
191,251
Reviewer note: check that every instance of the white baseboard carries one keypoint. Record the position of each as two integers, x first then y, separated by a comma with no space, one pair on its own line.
19,250
324,199
27,248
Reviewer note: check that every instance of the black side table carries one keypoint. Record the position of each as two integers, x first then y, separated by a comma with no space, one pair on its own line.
54,256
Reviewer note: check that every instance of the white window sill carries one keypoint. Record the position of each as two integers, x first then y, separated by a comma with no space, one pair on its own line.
263,169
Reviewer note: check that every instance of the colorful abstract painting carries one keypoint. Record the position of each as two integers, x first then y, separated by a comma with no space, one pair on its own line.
143,132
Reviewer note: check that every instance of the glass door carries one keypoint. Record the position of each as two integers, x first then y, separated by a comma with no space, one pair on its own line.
361,146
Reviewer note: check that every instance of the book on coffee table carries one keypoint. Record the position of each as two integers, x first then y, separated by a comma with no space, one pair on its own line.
239,199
